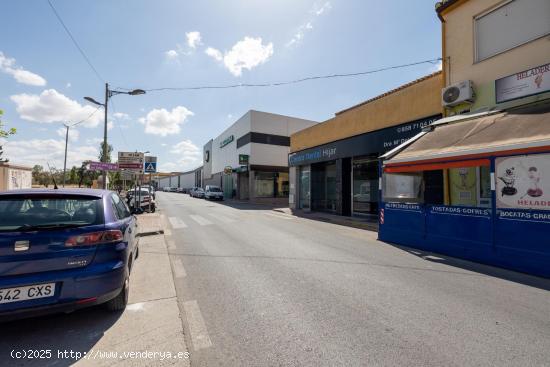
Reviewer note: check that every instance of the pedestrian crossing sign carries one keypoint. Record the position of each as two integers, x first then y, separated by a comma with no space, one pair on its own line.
151,167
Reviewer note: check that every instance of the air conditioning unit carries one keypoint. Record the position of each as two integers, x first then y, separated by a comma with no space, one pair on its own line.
458,93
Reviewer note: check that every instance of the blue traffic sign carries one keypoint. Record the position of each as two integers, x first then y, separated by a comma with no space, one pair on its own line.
150,167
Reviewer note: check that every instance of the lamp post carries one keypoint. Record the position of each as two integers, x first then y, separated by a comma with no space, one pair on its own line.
108,94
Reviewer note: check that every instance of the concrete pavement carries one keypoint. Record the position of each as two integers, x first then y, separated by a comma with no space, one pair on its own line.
149,332
260,288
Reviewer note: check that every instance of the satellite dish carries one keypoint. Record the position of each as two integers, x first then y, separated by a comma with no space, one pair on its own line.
451,94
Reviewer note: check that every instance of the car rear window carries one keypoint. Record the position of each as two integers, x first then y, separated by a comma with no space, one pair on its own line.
215,189
31,212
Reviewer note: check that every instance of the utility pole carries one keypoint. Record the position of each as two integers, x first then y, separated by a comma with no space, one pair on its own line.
105,147
65,162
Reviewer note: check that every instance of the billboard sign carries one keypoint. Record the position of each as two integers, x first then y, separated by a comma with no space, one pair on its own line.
523,84
523,182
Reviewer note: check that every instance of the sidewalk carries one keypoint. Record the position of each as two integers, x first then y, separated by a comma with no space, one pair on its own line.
151,322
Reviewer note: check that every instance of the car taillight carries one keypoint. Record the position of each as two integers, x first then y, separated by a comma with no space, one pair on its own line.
94,238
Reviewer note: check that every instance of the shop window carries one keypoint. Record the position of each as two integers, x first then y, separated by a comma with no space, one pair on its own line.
403,187
365,186
264,183
282,185
470,186
434,187
305,175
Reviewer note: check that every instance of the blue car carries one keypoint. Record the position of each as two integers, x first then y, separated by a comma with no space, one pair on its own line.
64,249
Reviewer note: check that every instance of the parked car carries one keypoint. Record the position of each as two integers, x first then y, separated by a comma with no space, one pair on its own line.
198,192
144,197
166,189
173,189
180,190
64,249
213,193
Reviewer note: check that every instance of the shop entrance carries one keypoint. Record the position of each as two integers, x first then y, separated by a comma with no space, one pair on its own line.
365,186
244,186
323,186
228,186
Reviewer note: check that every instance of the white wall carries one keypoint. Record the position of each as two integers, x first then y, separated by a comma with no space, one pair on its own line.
187,180
229,155
260,154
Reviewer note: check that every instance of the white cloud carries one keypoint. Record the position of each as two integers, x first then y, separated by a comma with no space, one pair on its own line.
245,54
9,66
316,11
163,144
216,54
74,134
171,55
52,106
436,67
163,122
43,151
110,125
325,7
193,39
94,141
68,85
121,116
190,157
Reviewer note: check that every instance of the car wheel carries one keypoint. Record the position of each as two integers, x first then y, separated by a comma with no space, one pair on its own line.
153,208
121,300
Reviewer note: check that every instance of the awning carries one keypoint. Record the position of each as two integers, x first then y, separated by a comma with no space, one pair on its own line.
474,138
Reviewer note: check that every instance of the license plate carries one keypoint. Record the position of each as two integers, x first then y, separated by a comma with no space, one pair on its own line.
17,294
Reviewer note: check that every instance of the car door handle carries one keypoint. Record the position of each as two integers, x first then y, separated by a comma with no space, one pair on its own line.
130,230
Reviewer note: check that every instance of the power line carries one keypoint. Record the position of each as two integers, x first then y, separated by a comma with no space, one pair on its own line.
83,120
117,125
295,81
76,43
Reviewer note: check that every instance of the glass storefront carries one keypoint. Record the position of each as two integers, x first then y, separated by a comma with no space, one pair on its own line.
323,186
271,184
304,194
365,186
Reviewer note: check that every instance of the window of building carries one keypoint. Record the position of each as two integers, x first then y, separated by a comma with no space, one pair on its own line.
510,25
305,174
264,183
403,187
365,186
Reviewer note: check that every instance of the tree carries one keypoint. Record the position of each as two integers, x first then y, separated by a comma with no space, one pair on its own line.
39,176
4,134
109,151
73,176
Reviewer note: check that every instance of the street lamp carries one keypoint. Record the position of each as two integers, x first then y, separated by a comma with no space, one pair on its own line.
108,94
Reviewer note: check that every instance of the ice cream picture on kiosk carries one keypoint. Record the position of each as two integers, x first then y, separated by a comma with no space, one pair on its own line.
534,190
523,182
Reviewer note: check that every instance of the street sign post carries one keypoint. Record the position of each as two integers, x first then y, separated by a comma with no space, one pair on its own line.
102,166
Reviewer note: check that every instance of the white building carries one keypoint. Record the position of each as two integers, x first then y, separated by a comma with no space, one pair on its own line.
14,177
249,160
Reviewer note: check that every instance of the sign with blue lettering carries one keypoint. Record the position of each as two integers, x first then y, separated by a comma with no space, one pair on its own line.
375,142
463,211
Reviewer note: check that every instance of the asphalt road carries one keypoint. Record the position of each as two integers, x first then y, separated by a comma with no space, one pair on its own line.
262,288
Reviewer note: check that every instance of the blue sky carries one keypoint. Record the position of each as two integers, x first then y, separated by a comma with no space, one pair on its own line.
169,43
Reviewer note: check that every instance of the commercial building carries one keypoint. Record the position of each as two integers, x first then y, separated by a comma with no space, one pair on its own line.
476,184
249,160
334,165
14,177
184,180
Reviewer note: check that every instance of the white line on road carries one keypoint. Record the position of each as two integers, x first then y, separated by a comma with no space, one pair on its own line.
177,223
197,327
222,217
179,270
200,220
282,216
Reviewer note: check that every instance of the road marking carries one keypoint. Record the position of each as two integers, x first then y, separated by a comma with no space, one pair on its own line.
177,223
222,217
200,220
167,233
197,327
179,270
282,216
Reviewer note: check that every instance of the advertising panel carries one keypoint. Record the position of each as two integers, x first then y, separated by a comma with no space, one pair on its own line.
523,182
463,186
523,84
